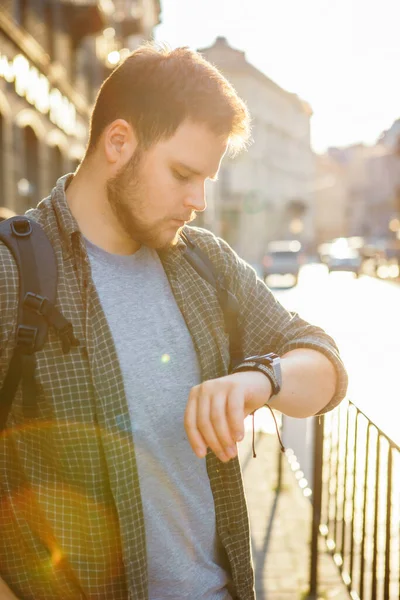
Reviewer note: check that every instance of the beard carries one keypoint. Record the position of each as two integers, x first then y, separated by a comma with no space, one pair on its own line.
126,195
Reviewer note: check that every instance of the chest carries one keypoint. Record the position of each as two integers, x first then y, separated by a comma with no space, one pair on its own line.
155,349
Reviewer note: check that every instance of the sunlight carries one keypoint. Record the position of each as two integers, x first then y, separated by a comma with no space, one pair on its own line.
328,53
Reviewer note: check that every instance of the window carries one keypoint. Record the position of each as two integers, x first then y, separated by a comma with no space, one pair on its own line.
2,171
22,7
31,150
56,165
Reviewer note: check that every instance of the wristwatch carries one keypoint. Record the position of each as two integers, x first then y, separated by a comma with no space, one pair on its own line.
269,364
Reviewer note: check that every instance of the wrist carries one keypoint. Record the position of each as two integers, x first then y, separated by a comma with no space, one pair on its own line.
258,389
263,389
267,364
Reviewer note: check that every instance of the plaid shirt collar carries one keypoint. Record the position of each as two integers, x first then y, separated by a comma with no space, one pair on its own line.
69,228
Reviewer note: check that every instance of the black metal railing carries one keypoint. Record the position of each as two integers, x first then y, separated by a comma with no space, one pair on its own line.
356,503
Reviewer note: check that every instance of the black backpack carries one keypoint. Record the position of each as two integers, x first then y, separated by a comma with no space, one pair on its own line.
37,267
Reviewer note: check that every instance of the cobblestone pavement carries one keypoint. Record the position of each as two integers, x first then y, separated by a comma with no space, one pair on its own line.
281,528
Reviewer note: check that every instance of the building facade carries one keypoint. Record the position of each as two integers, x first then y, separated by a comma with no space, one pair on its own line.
265,193
51,67
358,190
331,207
382,192
391,138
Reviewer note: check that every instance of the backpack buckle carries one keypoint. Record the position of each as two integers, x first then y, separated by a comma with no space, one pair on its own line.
37,303
26,338
21,227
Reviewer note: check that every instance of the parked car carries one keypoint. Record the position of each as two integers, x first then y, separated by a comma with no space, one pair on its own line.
385,259
343,257
283,258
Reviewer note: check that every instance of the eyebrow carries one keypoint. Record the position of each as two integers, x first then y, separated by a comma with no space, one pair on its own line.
195,172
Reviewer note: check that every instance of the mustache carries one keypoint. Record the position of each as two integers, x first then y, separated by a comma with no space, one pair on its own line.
188,219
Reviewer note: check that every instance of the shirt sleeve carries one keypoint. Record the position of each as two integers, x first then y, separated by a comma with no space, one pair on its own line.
9,288
266,326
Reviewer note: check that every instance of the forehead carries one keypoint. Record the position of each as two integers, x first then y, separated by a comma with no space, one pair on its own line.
196,145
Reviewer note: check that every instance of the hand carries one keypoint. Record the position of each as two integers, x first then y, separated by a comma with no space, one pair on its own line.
216,410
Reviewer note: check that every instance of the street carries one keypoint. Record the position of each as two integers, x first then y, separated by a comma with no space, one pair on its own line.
362,316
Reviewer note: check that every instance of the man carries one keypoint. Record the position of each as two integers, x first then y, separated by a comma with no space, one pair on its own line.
106,493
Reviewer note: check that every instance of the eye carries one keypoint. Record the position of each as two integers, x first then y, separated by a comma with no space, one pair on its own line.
180,177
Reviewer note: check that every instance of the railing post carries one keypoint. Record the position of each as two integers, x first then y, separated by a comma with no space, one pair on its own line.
316,505
280,462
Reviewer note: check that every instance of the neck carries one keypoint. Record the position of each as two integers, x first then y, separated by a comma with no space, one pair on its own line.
87,200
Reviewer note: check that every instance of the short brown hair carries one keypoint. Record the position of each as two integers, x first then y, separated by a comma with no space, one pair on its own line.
155,89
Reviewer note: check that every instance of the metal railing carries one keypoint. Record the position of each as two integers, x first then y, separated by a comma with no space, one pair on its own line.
356,504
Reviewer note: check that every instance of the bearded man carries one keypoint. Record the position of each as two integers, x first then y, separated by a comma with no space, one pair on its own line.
127,484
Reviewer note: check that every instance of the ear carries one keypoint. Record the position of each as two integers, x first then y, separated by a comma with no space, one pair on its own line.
119,142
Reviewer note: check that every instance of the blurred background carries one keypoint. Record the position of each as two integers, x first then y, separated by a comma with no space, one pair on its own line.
313,205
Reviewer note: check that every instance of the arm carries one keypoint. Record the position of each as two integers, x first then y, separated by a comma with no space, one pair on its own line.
308,383
217,408
8,316
266,326
314,378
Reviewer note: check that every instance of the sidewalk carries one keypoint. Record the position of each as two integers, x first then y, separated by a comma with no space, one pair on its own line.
281,528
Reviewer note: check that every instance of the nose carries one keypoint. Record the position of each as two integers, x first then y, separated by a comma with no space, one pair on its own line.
196,199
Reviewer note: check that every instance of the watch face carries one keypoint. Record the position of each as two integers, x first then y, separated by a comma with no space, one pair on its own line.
270,357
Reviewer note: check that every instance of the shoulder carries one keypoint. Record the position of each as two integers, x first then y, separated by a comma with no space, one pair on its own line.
215,247
9,292
41,213
220,253
8,271
8,266
205,239
9,278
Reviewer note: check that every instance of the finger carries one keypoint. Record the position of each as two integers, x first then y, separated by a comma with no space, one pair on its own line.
206,428
219,422
195,438
235,415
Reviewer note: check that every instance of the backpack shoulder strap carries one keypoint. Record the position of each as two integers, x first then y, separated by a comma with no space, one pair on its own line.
228,301
37,268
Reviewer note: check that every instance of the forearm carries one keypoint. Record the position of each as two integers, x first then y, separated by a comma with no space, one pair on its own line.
5,592
216,408
308,383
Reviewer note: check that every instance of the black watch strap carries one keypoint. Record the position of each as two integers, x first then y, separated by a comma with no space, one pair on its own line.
268,364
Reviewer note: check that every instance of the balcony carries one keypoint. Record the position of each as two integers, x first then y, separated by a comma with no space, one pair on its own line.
83,18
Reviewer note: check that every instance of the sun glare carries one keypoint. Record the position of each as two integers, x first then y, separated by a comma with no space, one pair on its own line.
341,57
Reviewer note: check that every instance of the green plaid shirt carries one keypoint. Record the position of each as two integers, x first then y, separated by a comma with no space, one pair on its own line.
71,520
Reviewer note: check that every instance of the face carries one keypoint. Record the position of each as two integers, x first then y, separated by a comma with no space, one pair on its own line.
160,190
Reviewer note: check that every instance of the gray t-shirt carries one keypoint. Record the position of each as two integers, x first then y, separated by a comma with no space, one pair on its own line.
159,367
